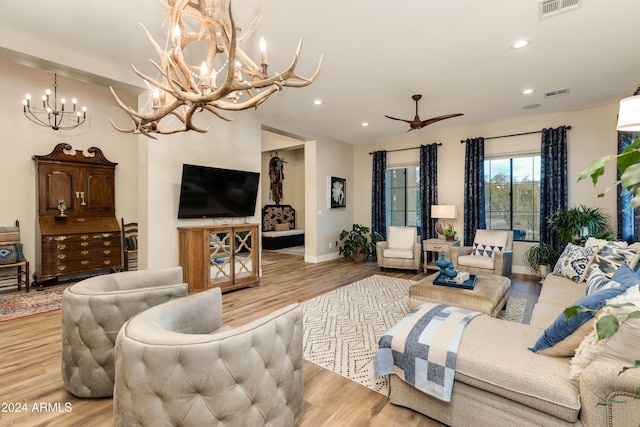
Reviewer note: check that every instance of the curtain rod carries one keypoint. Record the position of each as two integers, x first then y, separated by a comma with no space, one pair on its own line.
462,141
410,148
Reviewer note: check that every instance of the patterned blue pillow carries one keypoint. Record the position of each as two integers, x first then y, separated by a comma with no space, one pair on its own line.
610,257
597,280
11,253
574,262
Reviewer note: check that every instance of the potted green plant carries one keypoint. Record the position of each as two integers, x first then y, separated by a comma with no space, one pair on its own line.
540,258
578,223
449,234
358,243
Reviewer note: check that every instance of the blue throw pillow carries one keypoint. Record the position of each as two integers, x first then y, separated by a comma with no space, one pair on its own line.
562,328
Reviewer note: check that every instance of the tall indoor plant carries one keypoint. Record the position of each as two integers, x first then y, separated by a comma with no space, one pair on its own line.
578,223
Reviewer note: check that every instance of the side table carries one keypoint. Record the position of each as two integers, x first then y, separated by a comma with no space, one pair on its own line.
437,246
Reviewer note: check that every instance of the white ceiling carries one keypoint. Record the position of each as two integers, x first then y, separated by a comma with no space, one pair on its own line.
376,55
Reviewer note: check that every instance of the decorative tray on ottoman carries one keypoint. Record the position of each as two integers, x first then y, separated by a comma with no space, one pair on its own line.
443,280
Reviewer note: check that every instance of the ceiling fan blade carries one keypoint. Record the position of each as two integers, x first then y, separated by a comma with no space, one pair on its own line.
393,118
437,119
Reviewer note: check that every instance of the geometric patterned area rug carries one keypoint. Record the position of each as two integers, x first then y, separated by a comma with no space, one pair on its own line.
342,327
21,304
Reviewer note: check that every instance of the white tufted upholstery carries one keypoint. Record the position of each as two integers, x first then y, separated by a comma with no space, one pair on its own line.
94,310
174,366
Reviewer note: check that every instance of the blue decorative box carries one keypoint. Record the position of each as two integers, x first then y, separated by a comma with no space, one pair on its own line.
442,280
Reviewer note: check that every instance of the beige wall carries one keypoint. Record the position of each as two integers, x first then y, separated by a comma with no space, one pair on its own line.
22,139
592,134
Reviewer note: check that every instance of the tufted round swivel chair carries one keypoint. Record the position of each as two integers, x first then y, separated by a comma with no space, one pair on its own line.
94,310
175,365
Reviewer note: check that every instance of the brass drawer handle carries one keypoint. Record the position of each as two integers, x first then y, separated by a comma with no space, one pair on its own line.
84,237
83,244
62,267
107,243
61,238
80,220
85,252
85,262
61,256
106,235
106,251
61,246
106,262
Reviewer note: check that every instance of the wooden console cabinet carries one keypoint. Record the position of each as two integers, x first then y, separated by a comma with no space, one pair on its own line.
85,235
225,256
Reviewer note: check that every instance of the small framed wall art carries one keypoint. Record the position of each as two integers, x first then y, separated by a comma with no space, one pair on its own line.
338,192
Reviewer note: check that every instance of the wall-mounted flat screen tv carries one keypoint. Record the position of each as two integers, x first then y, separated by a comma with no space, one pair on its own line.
208,192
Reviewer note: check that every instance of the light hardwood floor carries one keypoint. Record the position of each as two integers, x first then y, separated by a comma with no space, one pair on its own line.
31,391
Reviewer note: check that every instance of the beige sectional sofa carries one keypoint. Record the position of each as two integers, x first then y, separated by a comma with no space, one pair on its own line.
500,382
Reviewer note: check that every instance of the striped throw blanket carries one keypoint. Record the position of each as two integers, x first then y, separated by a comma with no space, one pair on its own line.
422,348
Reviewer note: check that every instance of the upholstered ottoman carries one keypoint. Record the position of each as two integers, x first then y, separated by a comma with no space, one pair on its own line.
488,296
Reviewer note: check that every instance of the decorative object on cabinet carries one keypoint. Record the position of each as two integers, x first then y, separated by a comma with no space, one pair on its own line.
50,116
129,244
225,256
87,238
12,258
180,94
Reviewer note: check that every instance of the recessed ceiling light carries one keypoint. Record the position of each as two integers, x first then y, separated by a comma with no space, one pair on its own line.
318,102
520,44
528,91
365,124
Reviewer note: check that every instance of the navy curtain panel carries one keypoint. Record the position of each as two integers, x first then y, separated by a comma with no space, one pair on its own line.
378,199
553,180
628,218
474,217
428,189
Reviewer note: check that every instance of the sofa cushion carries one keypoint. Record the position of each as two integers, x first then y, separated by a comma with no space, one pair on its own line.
610,257
402,238
574,262
487,242
563,328
544,385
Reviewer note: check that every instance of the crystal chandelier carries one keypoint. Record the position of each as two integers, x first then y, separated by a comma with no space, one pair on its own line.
49,115
221,81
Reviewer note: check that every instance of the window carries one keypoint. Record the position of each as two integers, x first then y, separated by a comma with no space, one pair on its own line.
403,196
512,196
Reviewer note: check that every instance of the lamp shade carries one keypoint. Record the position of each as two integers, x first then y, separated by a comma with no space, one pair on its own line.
444,211
629,114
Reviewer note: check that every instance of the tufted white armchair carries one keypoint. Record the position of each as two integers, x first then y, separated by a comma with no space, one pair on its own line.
177,365
94,310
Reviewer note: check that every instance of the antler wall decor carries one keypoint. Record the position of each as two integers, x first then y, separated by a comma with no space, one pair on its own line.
183,89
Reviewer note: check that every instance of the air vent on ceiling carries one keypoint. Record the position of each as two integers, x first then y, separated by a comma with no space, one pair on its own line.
556,93
549,8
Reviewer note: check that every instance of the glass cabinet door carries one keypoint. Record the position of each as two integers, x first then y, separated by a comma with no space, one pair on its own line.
220,251
243,253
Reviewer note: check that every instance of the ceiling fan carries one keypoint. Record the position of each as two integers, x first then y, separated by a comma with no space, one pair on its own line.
416,123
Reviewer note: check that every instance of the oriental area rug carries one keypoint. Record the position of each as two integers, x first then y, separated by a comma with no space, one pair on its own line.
18,304
342,327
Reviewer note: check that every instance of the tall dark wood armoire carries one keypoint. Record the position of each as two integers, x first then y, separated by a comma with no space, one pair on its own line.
77,230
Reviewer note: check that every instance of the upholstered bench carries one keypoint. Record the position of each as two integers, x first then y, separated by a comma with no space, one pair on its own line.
488,296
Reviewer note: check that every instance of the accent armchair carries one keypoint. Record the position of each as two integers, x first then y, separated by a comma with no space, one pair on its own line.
491,253
402,249
94,310
177,365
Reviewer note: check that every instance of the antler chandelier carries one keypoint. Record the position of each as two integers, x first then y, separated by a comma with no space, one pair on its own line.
182,89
